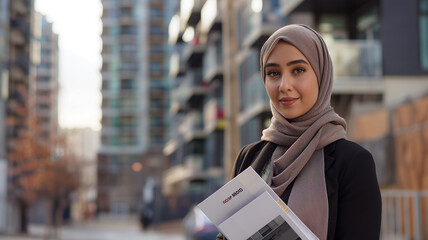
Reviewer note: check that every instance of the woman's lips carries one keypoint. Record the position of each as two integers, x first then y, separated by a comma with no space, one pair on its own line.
287,101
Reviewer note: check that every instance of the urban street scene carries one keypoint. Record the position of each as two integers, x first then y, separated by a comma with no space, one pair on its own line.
119,117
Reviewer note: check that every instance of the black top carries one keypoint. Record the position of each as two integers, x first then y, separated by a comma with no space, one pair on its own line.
353,192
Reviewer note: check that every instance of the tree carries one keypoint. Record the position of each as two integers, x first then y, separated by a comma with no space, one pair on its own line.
36,172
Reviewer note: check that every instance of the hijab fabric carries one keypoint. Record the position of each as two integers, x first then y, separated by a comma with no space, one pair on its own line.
299,155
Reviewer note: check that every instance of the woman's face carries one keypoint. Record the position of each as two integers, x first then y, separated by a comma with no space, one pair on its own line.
290,81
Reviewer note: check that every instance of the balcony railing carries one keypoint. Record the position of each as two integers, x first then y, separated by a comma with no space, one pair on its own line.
256,25
253,92
212,62
177,64
192,125
356,59
193,52
404,214
193,85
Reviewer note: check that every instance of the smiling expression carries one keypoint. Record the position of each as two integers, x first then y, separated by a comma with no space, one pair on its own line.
290,81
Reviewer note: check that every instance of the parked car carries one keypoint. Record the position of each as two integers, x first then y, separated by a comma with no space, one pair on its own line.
197,226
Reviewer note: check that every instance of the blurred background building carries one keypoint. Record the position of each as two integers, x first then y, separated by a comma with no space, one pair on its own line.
83,144
46,86
21,72
134,101
4,77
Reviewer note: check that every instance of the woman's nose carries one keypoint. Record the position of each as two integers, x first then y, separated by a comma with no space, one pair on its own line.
285,84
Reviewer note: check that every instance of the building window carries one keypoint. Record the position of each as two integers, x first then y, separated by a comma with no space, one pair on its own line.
128,84
131,30
156,67
155,12
423,31
156,30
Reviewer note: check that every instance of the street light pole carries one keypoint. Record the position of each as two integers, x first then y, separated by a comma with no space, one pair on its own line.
231,92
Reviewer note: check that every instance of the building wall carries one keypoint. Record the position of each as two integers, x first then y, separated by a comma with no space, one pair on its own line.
83,144
134,105
400,37
46,89
397,136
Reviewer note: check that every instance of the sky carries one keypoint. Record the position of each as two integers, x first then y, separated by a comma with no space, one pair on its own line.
78,24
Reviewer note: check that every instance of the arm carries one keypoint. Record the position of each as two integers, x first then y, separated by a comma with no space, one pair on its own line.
359,204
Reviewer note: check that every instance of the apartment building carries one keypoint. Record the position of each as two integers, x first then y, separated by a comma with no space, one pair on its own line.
195,146
133,101
4,75
46,87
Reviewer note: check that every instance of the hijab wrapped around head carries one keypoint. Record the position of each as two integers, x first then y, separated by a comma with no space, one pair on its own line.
299,155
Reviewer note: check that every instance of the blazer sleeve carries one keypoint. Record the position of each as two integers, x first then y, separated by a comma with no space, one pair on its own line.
359,204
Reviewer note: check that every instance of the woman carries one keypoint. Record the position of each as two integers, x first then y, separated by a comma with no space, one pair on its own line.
328,181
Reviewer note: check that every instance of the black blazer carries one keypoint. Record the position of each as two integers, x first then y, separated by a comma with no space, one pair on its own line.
353,192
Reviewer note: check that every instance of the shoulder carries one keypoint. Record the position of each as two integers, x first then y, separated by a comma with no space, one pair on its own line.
350,159
345,150
253,147
247,154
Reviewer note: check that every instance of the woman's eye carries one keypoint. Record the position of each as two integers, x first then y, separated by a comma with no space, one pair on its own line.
272,73
299,70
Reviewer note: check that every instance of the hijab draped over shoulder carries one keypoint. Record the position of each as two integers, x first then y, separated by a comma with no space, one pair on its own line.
299,155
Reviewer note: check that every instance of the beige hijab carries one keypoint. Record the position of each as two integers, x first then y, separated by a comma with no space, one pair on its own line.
300,141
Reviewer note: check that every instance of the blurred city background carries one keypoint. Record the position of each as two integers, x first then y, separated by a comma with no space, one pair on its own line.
118,116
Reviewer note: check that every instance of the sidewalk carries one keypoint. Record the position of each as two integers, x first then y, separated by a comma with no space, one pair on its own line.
105,228
171,227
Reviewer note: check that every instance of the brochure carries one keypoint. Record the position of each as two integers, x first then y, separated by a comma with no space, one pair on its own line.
247,208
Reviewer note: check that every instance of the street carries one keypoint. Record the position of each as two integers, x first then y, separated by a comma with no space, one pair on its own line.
105,229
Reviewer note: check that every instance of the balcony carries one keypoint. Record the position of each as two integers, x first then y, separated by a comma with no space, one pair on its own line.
213,62
211,16
190,12
176,178
287,6
178,97
357,66
193,126
255,25
213,115
193,53
193,88
254,99
177,64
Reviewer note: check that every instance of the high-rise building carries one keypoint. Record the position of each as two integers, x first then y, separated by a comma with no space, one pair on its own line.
133,101
4,53
23,57
195,146
46,87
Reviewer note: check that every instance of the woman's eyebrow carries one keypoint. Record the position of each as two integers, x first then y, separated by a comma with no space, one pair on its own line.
271,65
297,62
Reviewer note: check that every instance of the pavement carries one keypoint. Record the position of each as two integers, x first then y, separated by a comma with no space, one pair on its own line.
104,229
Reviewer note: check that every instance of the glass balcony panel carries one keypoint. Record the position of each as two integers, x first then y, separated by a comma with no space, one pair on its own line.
255,23
213,59
193,122
253,92
356,59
